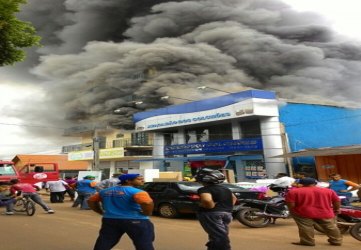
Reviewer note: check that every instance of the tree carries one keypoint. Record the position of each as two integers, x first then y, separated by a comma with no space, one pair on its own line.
14,34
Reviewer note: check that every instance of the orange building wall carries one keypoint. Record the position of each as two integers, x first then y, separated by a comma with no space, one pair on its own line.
348,166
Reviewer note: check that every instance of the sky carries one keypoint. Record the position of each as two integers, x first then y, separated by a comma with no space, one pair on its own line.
28,103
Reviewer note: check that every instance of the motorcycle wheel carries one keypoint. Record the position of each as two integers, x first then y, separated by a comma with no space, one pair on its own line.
248,218
356,231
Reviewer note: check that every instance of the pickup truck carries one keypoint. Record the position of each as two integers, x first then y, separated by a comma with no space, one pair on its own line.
32,173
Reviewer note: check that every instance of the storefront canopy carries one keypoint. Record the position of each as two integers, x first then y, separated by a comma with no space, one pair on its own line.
344,150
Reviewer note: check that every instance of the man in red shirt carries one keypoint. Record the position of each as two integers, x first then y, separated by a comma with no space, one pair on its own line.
31,191
310,205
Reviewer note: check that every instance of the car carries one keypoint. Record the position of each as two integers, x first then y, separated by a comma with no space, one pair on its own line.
174,198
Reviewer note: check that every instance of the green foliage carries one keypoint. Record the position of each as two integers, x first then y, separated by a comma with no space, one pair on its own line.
14,34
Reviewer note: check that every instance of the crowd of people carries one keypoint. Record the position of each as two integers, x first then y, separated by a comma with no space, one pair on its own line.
126,208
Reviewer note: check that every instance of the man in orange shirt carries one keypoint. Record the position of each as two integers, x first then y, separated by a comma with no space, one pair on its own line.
126,210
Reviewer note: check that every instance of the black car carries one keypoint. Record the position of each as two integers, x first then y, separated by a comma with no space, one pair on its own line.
174,198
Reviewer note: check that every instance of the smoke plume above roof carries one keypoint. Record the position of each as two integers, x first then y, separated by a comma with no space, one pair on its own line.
102,55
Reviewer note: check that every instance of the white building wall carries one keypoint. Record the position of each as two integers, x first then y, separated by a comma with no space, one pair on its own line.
158,150
236,130
272,145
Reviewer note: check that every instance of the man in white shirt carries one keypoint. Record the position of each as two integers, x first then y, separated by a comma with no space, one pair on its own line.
283,180
57,190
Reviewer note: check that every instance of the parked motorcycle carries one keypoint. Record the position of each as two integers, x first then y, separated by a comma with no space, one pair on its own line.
349,220
260,213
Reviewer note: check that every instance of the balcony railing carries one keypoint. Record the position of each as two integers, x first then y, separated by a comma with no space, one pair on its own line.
77,147
130,143
115,144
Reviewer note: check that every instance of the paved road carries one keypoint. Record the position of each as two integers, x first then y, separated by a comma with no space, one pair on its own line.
69,228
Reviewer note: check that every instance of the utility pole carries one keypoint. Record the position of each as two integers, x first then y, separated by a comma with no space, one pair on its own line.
95,165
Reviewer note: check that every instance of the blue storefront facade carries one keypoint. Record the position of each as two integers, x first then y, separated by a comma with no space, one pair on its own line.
310,126
242,130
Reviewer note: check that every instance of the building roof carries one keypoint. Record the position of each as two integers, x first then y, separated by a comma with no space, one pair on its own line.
342,150
207,104
62,161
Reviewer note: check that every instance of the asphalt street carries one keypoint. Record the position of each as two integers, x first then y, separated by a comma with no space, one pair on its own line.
70,228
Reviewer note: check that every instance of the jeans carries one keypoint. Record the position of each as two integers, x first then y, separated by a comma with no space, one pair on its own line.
141,233
9,204
57,197
216,225
346,200
82,199
37,199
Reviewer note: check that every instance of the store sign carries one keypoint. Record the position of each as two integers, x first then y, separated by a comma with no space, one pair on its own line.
195,119
184,117
109,153
223,146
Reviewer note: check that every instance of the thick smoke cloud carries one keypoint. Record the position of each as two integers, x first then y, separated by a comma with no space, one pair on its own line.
102,55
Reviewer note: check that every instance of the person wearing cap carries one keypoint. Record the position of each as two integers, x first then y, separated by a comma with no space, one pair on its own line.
311,205
125,209
85,188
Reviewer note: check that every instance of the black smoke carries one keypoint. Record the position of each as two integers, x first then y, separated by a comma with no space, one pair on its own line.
102,55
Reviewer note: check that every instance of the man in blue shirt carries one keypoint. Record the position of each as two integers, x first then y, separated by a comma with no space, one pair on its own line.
85,188
342,188
125,209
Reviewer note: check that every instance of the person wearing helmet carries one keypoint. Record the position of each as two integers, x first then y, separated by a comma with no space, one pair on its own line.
215,212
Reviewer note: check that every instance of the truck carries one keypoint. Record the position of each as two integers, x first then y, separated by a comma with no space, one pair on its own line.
33,173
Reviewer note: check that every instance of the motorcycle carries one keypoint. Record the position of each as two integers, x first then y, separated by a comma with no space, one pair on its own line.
348,220
260,213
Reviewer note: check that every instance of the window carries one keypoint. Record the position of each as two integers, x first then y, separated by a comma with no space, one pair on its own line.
102,142
170,138
250,129
209,133
255,169
6,169
140,139
158,187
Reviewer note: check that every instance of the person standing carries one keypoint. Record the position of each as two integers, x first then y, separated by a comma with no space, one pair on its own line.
85,188
31,191
311,205
57,190
216,205
70,187
343,188
126,210
107,183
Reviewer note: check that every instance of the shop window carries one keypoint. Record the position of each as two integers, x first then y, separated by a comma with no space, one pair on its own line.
254,169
